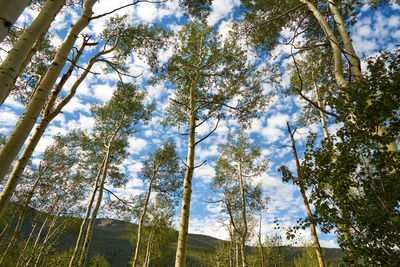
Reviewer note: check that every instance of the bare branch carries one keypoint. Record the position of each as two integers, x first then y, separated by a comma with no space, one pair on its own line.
215,128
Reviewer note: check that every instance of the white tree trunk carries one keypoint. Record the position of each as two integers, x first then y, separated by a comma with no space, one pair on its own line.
25,124
9,12
180,259
15,58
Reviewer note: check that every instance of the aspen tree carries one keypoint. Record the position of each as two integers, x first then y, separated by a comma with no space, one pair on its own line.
300,183
164,176
9,68
123,39
115,121
9,13
235,169
25,124
208,73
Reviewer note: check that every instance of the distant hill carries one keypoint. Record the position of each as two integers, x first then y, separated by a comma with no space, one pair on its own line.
111,239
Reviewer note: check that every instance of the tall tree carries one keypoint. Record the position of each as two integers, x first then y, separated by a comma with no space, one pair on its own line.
115,121
300,182
363,179
118,41
9,68
25,124
236,168
9,13
164,175
213,79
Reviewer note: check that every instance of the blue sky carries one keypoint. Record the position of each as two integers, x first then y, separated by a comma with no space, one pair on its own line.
374,30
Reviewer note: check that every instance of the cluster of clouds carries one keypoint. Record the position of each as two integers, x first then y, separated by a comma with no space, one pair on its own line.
374,30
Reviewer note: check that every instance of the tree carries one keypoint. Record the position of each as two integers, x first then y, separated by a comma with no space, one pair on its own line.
363,179
300,182
164,176
236,168
10,67
10,11
210,75
25,124
115,121
119,41
158,234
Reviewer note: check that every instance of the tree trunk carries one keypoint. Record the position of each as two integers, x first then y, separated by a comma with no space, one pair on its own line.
21,217
25,124
355,64
88,237
148,250
82,230
261,245
180,259
243,232
9,13
21,254
314,234
231,250
48,115
139,234
33,252
15,58
337,53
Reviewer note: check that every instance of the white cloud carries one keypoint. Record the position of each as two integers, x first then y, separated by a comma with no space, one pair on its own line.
136,145
8,117
220,9
103,92
205,172
76,104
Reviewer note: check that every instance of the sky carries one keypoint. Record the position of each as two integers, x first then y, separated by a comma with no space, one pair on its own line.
375,30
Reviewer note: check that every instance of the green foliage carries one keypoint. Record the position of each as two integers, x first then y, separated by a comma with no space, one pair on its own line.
239,160
356,185
163,165
98,261
157,235
224,82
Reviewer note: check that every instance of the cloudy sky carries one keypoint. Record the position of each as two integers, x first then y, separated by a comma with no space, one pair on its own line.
374,30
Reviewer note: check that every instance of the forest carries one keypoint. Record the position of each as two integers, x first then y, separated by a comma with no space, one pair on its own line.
199,133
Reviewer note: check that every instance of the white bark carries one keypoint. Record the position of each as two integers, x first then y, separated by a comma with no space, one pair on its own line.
25,124
9,12
10,66
180,259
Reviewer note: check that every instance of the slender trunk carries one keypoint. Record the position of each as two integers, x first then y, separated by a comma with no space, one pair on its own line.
314,234
337,53
4,230
261,245
21,255
25,124
88,237
15,58
46,239
231,250
244,217
180,259
139,234
21,217
9,13
33,252
48,115
148,250
355,63
237,253
82,230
